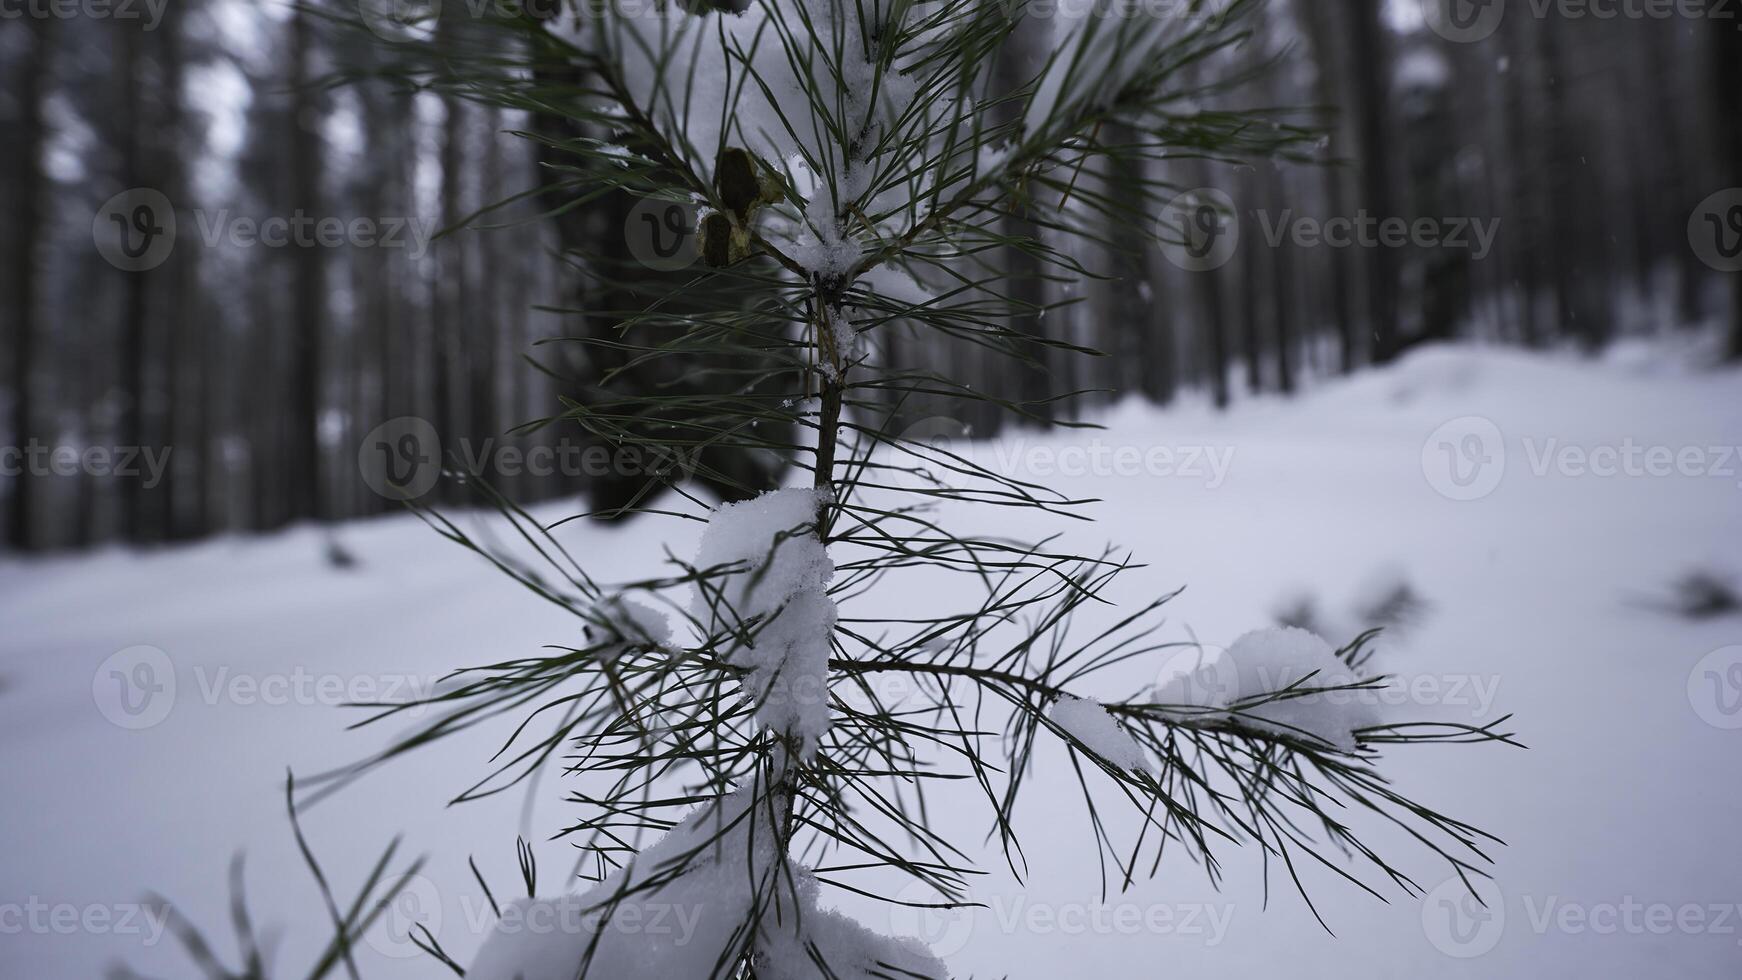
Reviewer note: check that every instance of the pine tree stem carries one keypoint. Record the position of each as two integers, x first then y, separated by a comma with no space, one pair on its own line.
828,437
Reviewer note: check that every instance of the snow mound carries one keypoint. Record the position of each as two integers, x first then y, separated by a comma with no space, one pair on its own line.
631,624
1089,723
822,942
772,573
688,907
1264,663
674,911
769,541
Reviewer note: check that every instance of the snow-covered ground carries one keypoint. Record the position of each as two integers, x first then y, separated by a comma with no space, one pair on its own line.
150,704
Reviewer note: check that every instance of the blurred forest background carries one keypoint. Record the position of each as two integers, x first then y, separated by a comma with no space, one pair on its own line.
261,369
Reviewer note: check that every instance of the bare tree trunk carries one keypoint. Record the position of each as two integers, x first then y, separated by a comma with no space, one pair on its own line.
308,497
379,299
487,326
1281,288
135,313
214,490
176,512
1726,45
26,188
1158,365
268,489
1319,19
1215,334
1024,274
1213,328
1252,310
1577,259
89,365
1135,324
1670,200
1522,251
452,291
1369,61
1441,275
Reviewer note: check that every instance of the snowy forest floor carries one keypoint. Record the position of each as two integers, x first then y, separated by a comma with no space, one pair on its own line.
1620,817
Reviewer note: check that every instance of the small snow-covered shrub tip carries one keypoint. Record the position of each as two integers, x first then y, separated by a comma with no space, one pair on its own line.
1280,681
774,606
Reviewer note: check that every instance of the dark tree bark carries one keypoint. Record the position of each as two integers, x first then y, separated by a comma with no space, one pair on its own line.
487,326
132,425
1726,66
26,187
1430,164
1282,290
452,289
380,298
1370,64
1524,248
1215,333
308,492
263,353
1212,333
1667,197
1319,19
177,511
1252,316
1577,257
1135,325
1022,57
